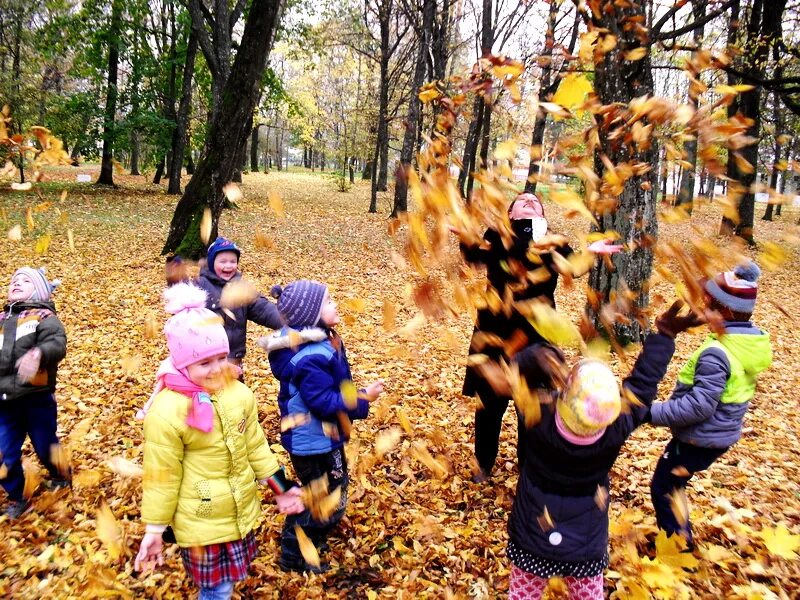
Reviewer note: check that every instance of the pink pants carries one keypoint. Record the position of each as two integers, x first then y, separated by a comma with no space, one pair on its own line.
525,586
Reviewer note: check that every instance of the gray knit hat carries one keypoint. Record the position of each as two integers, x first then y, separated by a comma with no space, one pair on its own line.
300,302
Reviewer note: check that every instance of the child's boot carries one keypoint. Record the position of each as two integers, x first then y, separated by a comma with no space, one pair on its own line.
16,508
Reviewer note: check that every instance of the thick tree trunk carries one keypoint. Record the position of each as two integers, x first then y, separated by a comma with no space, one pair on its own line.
228,129
414,108
180,134
107,165
685,197
630,211
159,171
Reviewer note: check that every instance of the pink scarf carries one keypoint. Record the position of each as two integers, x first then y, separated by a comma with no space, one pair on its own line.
201,412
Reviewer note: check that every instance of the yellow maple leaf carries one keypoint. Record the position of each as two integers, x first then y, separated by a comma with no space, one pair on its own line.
349,394
205,225
780,542
572,92
238,293
307,548
276,204
43,243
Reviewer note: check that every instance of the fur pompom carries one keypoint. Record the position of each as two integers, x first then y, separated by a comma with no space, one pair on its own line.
276,291
183,296
748,271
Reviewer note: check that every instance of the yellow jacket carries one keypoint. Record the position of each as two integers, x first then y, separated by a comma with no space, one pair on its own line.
204,484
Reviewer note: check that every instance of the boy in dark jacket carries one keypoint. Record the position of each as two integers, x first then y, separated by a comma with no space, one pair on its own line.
714,389
317,400
222,267
33,343
559,520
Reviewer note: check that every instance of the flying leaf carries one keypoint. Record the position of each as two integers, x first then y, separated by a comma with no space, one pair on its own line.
389,312
506,150
125,468
553,326
293,420
108,530
15,233
680,505
205,225
386,440
635,54
21,187
232,192
307,548
43,243
70,240
238,293
349,394
572,90
276,204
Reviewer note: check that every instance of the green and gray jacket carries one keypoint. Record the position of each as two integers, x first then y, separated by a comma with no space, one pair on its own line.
715,387
26,325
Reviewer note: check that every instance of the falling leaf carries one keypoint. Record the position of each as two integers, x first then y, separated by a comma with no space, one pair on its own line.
151,326
130,364
389,313
276,204
635,54
679,505
780,542
572,90
205,225
70,240
108,530
29,219
307,548
125,468
293,420
506,150
15,233
21,187
263,241
43,243
232,192
601,498
386,440
238,293
552,325
349,393
671,551
545,521
61,457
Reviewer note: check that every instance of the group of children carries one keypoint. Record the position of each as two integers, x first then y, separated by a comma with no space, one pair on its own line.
205,452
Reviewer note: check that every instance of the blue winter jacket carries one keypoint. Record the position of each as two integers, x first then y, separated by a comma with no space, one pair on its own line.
698,411
310,399
564,478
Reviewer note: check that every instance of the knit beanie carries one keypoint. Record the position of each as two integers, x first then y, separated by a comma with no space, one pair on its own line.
300,302
526,206
42,289
221,244
736,289
590,400
194,333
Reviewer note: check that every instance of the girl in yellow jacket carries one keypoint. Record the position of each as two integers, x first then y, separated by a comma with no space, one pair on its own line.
204,452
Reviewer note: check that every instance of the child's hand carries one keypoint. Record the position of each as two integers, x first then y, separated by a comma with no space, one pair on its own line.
28,365
149,553
604,247
290,502
373,390
670,323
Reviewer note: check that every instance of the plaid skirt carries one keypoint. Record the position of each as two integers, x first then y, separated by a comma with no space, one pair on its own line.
208,566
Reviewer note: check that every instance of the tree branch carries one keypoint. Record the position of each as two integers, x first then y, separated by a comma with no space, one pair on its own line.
236,13
195,11
693,25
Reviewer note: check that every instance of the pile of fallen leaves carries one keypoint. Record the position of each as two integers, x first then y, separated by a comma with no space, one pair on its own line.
416,525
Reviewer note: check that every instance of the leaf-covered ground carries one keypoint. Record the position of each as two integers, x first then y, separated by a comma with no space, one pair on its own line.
409,531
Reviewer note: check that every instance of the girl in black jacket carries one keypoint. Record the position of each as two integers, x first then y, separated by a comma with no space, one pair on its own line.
559,521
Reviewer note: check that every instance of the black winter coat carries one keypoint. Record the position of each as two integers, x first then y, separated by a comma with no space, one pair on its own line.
260,311
508,267
23,326
565,477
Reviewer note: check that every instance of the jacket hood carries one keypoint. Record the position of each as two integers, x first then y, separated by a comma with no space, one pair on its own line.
282,345
18,307
750,346
212,276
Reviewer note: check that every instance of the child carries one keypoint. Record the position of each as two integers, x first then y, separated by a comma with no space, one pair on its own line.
204,451
311,364
712,394
222,266
33,344
559,520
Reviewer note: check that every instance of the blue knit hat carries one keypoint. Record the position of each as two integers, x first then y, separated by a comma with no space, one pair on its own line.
300,302
221,244
736,289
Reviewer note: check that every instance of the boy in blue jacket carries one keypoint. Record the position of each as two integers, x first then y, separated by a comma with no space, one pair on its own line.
714,389
308,358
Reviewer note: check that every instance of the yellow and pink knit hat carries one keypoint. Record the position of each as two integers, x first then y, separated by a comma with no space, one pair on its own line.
589,403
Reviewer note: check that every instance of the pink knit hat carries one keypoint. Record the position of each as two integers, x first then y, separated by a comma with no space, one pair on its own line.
526,206
194,333
590,402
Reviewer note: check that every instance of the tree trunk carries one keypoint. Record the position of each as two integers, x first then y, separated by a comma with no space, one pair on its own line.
470,147
228,129
159,171
180,134
763,29
685,197
383,98
414,108
107,165
632,211
254,149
